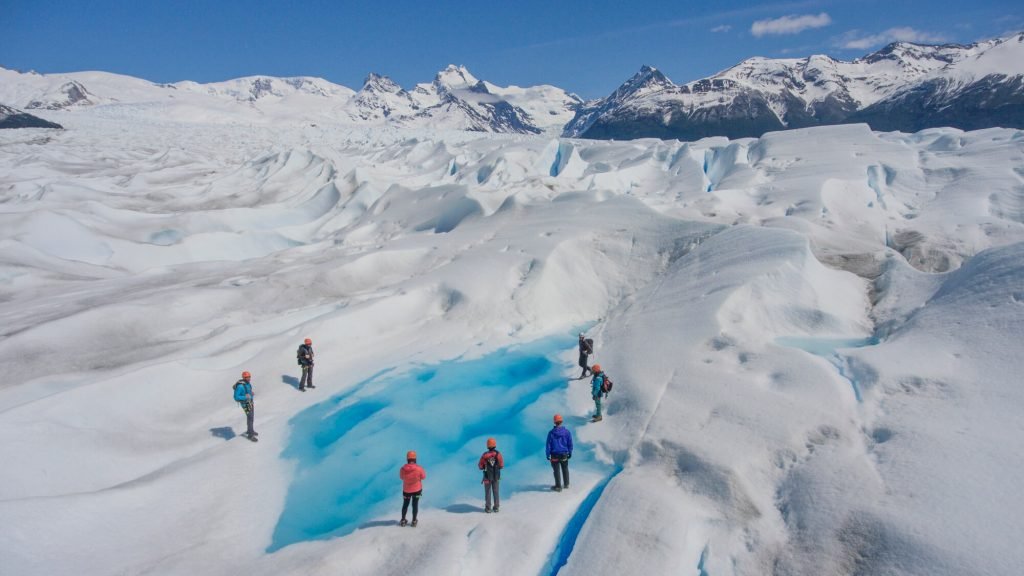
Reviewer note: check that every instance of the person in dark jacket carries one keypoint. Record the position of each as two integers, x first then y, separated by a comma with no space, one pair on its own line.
491,462
597,391
244,396
305,357
558,452
586,349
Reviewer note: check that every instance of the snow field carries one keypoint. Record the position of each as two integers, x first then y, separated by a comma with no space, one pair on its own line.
144,264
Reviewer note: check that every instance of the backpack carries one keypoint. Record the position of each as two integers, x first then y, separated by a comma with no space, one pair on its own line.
590,345
606,385
491,464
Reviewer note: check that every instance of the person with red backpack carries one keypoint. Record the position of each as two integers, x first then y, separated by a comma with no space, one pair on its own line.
491,463
600,385
412,475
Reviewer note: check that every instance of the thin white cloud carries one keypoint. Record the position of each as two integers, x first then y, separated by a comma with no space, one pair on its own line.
705,19
855,40
722,28
793,24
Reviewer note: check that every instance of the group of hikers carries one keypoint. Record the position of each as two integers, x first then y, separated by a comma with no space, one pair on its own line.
558,448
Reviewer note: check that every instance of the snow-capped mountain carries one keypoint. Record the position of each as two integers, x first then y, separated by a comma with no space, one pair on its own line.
457,100
904,86
454,100
14,118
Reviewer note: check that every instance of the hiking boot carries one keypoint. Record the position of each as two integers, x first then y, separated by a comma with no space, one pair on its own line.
495,510
596,419
403,522
414,522
556,488
310,386
487,510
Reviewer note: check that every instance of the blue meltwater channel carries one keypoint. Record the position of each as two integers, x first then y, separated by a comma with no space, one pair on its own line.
348,449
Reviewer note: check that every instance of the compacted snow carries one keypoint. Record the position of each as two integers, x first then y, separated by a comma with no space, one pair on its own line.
815,338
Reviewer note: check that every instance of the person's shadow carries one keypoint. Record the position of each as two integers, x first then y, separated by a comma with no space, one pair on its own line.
376,523
225,432
463,509
535,488
290,380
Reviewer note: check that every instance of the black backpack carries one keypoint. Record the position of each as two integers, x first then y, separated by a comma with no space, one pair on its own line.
606,385
491,470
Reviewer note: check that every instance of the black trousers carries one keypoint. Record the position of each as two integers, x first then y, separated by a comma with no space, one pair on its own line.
583,365
250,414
415,497
307,376
560,466
491,489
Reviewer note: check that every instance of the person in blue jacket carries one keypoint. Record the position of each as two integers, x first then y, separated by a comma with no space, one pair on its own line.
244,397
597,391
558,452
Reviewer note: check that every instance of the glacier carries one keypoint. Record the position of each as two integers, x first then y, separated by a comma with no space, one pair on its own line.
145,261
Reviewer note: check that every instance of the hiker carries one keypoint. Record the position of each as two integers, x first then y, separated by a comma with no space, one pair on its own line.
597,391
491,463
244,396
305,358
558,452
412,475
586,349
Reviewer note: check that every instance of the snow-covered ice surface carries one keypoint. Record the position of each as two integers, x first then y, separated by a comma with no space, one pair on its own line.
815,338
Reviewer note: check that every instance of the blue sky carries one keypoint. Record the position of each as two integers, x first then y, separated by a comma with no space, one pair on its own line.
585,47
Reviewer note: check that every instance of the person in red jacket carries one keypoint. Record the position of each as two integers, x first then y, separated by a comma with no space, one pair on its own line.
412,475
491,463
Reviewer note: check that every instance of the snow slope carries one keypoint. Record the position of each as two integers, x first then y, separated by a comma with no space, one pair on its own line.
144,262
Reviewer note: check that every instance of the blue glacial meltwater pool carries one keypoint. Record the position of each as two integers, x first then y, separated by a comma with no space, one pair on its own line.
348,449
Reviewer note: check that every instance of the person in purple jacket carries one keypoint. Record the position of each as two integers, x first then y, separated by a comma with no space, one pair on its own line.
558,452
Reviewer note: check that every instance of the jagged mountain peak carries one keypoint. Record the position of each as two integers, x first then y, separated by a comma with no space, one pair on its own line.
455,78
380,83
648,79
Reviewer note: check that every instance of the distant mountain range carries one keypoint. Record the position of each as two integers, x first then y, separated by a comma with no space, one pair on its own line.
903,86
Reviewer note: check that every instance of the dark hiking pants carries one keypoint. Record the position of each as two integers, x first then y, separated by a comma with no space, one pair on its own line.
250,413
560,463
491,487
307,376
415,497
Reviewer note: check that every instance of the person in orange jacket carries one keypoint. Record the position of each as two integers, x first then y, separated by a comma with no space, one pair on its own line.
412,475
491,463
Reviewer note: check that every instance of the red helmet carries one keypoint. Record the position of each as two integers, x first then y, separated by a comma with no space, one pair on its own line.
246,375
491,443
596,368
558,418
308,341
410,455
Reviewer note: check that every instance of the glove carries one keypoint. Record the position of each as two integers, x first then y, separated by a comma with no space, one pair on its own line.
568,457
